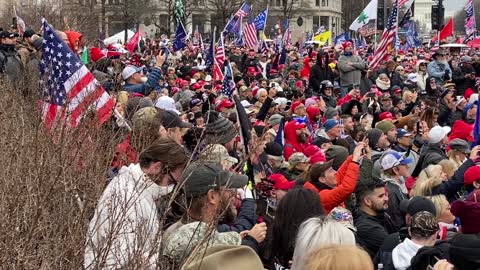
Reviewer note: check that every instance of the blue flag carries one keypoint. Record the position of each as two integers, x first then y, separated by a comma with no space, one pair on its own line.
476,127
341,38
180,38
280,139
261,20
227,87
412,36
233,25
210,53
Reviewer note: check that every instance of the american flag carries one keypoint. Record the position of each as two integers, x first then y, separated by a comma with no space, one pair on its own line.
243,11
401,3
386,40
69,89
251,32
219,61
470,23
20,23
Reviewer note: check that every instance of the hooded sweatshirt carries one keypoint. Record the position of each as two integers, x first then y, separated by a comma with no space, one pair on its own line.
292,145
403,254
125,221
421,76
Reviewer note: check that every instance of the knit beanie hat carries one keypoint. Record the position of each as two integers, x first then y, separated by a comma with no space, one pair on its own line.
373,136
330,123
219,129
330,113
464,251
385,126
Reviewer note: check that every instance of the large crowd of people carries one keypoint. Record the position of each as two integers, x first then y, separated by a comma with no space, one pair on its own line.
348,167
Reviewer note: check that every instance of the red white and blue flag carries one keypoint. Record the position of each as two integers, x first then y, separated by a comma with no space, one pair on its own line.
243,11
20,23
219,61
69,89
251,32
386,40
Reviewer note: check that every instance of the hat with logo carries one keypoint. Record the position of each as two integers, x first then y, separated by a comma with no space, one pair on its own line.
437,133
386,116
403,133
128,71
200,177
330,123
6,34
281,182
392,159
225,104
412,77
342,215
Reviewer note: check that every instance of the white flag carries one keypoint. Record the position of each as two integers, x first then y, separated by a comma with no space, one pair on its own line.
368,14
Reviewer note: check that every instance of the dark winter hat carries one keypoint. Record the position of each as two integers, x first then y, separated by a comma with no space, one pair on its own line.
274,149
219,129
465,251
330,113
373,136
338,154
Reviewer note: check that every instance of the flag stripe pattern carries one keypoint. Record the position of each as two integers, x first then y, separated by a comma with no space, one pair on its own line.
251,32
243,11
69,89
387,38
20,23
219,61
401,3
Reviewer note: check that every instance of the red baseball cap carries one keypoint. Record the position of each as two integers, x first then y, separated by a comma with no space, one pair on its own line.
225,104
196,86
297,104
386,116
471,175
281,182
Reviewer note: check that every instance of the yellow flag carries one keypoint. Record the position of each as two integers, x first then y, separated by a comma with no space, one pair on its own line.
323,38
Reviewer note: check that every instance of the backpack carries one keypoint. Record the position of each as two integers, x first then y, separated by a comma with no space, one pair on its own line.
11,65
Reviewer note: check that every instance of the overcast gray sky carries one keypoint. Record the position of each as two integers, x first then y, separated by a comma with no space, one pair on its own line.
454,4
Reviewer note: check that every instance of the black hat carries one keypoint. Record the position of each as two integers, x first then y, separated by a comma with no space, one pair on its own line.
465,251
199,178
170,119
28,33
6,34
338,154
274,149
417,204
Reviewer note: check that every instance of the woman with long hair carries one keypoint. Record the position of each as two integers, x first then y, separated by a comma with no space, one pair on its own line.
297,206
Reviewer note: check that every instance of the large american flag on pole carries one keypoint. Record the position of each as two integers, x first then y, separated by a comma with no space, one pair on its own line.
251,32
70,91
386,40
401,3
219,60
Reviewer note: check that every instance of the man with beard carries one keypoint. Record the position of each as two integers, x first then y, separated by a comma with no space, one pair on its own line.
388,129
296,138
209,192
350,67
439,68
373,225
135,82
126,222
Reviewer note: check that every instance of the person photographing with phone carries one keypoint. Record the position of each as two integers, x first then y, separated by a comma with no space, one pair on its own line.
136,83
